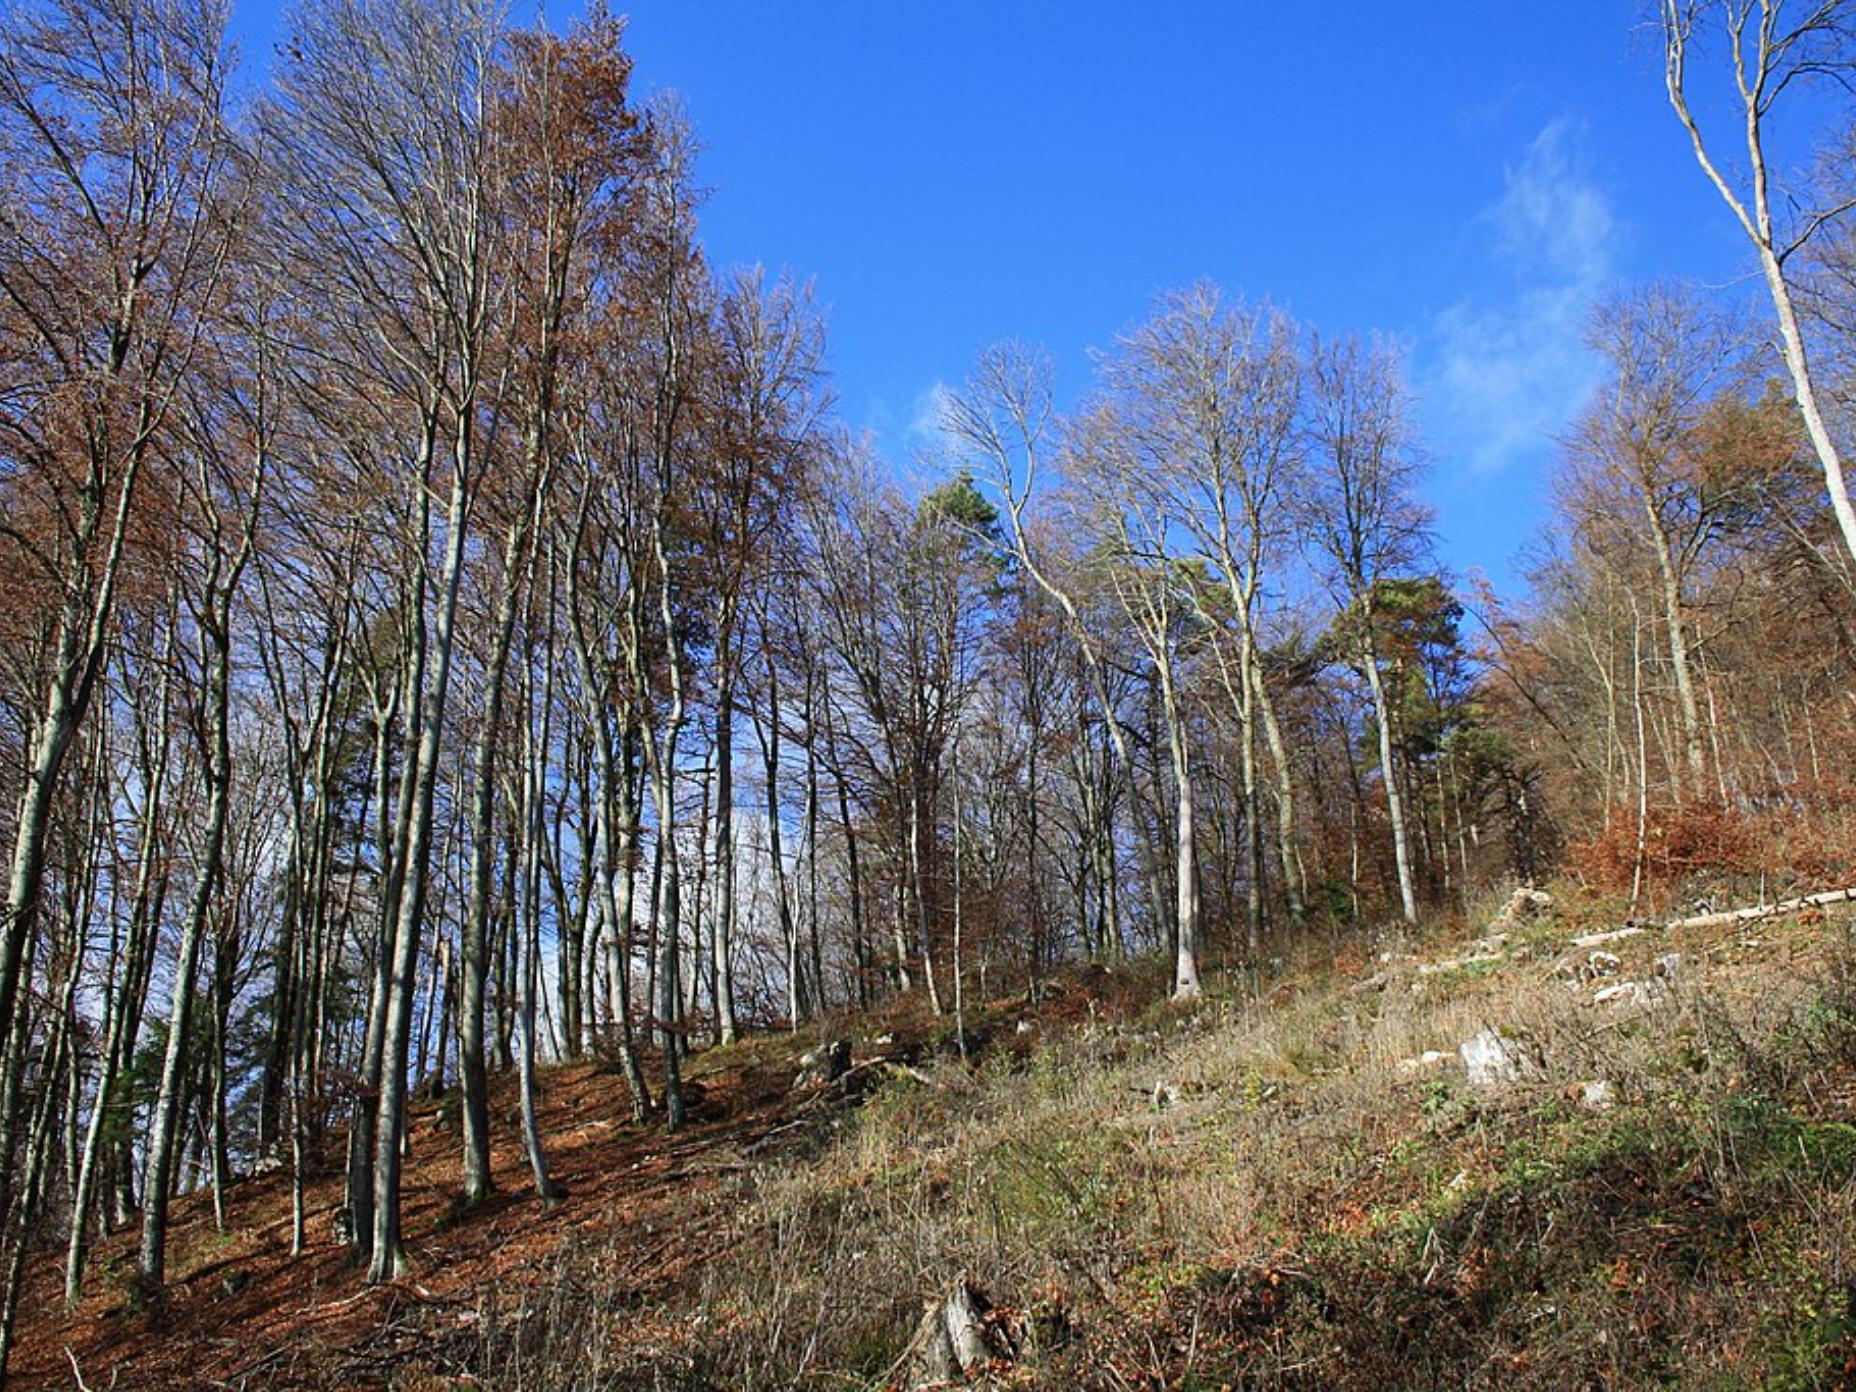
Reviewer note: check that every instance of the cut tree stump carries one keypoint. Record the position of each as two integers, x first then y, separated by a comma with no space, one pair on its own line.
825,1064
953,1340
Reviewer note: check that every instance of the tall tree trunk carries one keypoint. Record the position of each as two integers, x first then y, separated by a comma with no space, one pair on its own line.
767,733
666,912
1395,802
38,1147
82,639
1694,765
1185,960
473,963
921,827
960,998
814,946
529,906
151,1265
620,828
392,827
125,1005
386,1259
1254,876
225,968
854,888
1294,879
723,964
1758,87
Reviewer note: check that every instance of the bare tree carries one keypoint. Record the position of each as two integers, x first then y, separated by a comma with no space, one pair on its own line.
1770,45
1366,524
1670,356
1003,421
229,441
763,405
1133,519
1213,390
383,141
114,243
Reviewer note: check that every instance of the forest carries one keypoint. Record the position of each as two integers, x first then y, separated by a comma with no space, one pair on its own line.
448,632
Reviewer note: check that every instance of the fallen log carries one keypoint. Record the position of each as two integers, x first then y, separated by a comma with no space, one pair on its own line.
1756,912
1615,935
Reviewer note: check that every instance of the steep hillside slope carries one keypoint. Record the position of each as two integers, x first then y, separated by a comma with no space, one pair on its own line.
1645,1178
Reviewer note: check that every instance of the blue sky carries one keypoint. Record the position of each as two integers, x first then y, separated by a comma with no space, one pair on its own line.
1465,177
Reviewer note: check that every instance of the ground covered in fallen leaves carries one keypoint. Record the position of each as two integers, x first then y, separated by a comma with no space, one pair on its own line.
243,1312
1295,1183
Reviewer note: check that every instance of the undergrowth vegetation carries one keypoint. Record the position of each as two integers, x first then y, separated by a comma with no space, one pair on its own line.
1282,1191
1799,840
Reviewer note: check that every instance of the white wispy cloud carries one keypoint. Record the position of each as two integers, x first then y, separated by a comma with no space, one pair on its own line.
1507,368
922,462
1550,213
924,428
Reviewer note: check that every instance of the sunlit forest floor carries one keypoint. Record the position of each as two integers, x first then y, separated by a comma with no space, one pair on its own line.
242,1312
1293,1183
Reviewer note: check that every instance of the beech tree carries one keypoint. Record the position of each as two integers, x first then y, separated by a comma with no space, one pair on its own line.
1132,519
406,239
123,190
444,632
1004,421
1669,356
1365,523
763,419
1219,390
229,440
1769,45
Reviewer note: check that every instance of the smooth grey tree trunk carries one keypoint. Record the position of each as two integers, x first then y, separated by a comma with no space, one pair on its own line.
1676,626
1295,889
151,1264
1395,801
1186,890
126,1002
473,1077
723,957
386,1260
1757,88
529,907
